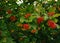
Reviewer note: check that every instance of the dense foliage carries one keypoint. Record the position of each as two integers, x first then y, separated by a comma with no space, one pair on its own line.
29,21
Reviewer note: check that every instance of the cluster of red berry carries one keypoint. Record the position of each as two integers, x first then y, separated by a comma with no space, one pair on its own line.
50,23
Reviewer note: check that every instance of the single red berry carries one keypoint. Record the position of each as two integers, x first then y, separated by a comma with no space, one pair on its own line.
33,31
9,11
39,20
27,15
13,18
26,26
51,13
51,24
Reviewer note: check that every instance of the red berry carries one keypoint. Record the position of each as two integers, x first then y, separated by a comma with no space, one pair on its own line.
9,11
27,15
26,26
51,24
39,20
33,31
51,13
13,18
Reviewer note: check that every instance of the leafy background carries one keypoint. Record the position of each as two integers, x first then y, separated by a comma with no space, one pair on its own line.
11,30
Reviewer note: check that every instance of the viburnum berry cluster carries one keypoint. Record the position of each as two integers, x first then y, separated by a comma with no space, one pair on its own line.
29,21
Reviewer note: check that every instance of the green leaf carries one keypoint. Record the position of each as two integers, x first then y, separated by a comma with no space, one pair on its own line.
56,20
8,15
5,33
52,9
56,15
22,19
7,40
26,40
